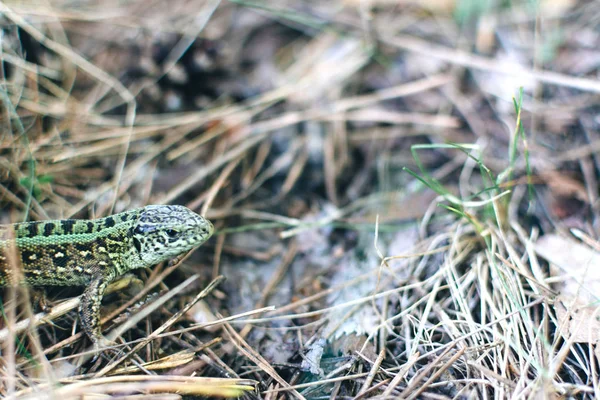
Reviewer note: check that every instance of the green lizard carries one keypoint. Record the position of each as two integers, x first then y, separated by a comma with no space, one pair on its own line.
93,253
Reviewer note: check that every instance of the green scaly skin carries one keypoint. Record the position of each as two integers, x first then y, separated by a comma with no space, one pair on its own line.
93,253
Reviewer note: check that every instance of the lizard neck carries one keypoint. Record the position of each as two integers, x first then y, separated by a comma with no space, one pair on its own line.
131,258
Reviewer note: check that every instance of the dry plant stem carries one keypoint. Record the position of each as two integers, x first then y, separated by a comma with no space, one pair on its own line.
587,167
10,364
578,153
167,324
487,372
384,327
256,358
177,384
466,109
171,361
400,375
282,163
374,114
70,55
371,376
131,170
206,137
121,163
415,387
368,201
527,275
321,382
294,174
594,244
358,279
11,197
31,67
108,144
373,389
218,184
235,118
36,345
260,130
46,317
405,89
212,358
181,331
190,33
276,277
329,166
592,352
214,323
262,153
362,300
204,171
34,206
267,216
92,70
218,253
484,300
469,60
131,322
557,363
262,256
348,366
480,329
38,319
336,390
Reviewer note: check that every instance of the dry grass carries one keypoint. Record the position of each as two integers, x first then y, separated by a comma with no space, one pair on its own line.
396,217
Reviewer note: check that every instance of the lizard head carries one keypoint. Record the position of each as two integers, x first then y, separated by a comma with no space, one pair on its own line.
164,232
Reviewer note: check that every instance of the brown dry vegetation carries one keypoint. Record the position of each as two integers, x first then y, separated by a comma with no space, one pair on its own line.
405,195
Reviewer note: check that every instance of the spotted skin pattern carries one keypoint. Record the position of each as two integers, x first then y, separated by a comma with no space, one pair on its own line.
93,253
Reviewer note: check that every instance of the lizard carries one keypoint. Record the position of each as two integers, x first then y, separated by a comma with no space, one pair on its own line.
93,253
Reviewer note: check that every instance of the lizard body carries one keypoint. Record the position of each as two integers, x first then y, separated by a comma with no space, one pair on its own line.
93,253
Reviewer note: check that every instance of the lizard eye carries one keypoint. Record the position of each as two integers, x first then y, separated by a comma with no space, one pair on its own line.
171,233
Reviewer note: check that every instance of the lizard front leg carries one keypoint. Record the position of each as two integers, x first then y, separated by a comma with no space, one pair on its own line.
89,307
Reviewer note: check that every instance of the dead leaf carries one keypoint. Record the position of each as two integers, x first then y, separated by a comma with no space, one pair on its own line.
577,321
577,272
576,268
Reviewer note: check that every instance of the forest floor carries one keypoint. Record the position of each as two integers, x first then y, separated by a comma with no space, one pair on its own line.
405,195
